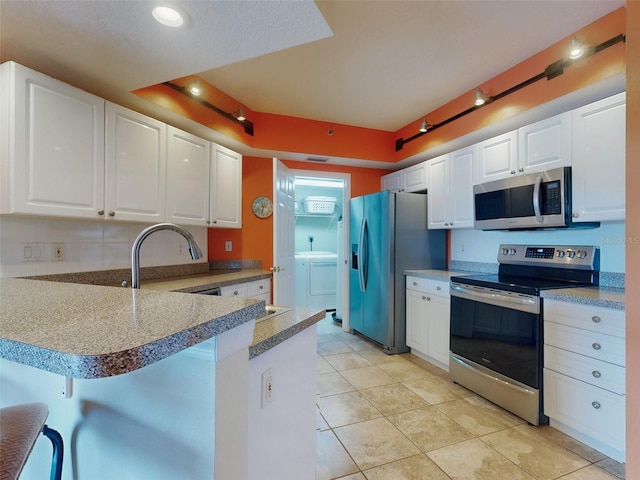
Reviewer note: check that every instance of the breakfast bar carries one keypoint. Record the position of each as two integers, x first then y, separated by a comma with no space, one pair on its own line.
140,383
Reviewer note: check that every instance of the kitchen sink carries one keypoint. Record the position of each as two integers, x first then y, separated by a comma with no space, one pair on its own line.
272,311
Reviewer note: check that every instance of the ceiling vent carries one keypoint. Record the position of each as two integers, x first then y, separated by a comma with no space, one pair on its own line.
317,159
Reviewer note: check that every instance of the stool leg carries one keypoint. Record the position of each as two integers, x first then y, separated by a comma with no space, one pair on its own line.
58,451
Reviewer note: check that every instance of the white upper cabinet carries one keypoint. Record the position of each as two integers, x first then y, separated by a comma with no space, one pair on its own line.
187,178
410,179
497,157
540,146
450,200
598,173
226,188
545,144
52,146
135,159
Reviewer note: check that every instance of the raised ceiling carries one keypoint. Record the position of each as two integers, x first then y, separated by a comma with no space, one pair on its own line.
375,64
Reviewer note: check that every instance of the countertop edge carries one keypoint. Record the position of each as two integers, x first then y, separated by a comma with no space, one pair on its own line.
263,337
125,361
604,297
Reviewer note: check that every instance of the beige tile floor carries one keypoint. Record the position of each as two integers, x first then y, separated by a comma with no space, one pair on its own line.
397,417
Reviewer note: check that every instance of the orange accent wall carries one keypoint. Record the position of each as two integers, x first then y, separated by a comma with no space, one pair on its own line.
633,240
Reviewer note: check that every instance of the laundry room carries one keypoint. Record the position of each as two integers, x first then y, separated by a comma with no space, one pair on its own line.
318,241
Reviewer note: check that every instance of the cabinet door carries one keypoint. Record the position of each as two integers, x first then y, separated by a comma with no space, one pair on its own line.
187,178
438,198
135,166
416,315
598,173
414,179
438,334
52,156
545,144
226,188
461,165
391,182
497,157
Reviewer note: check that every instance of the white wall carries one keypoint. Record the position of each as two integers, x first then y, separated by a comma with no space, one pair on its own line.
479,246
88,245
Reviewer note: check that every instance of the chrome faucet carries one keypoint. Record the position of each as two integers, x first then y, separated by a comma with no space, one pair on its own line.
194,249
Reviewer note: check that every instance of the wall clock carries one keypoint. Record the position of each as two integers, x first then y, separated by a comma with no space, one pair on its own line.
262,207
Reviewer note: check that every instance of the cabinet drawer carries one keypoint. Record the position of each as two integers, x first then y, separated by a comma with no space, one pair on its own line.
239,290
258,287
595,345
590,410
589,370
427,285
596,319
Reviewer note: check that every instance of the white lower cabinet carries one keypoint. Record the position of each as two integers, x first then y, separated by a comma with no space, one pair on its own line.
584,374
427,317
257,289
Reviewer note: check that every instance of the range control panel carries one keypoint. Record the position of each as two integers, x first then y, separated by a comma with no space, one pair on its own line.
559,256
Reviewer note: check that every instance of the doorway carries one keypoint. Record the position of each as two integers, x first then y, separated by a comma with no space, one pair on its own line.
321,226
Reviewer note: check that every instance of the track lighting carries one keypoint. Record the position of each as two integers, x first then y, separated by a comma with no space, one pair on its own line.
480,97
239,114
576,49
424,126
552,71
195,89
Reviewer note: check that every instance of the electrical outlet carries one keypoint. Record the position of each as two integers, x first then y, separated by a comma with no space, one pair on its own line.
267,388
228,246
57,252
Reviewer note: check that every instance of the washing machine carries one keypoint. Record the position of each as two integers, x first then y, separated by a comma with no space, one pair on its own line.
316,275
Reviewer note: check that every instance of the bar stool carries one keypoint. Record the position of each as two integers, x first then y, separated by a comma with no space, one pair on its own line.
20,426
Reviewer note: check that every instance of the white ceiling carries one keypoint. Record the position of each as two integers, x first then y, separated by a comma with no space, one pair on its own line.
375,64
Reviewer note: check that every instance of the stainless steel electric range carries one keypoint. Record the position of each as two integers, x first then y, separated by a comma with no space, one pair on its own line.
496,322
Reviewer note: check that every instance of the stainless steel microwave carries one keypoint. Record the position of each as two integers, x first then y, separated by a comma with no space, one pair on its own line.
531,201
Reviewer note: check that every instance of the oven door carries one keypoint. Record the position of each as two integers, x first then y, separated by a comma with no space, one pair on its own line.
499,330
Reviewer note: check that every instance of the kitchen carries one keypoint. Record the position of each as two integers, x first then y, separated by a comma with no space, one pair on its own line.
253,240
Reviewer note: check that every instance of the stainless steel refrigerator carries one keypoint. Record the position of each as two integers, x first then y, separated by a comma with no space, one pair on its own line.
388,234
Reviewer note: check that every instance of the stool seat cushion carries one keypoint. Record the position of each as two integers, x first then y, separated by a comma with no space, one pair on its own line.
20,427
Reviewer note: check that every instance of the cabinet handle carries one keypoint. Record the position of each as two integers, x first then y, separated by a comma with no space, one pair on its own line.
521,169
595,405
100,212
112,213
261,287
438,288
596,374
215,221
451,224
513,172
595,319
428,299
415,284
235,293
424,297
596,346
575,214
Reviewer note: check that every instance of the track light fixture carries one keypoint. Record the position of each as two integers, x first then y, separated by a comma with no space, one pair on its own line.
195,89
424,126
239,114
480,97
576,50
552,71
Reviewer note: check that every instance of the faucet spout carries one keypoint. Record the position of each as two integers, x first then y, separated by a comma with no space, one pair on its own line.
194,248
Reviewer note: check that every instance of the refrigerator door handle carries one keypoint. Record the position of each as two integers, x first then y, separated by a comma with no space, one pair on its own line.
364,257
361,256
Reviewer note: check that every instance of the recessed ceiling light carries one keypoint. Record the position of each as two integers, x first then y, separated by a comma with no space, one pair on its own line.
168,16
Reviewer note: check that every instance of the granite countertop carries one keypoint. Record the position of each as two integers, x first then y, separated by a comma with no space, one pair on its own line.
442,275
212,279
267,333
90,331
596,296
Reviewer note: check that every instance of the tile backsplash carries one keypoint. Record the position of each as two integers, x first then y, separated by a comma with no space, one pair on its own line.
86,246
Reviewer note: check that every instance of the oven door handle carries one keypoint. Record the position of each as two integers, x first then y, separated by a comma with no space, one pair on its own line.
526,303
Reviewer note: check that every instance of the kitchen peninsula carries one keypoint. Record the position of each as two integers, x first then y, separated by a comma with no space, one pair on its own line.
141,383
